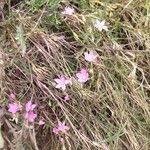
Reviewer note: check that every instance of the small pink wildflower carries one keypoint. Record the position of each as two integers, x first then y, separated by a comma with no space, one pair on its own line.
66,97
29,106
68,11
14,108
100,25
82,75
61,82
41,122
61,139
90,56
61,128
12,96
55,130
30,116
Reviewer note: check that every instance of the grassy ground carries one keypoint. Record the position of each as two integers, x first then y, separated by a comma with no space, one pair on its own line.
111,111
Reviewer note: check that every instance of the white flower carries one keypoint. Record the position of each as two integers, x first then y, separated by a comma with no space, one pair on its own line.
68,11
100,25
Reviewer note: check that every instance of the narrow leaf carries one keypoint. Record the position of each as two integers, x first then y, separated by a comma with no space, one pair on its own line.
21,40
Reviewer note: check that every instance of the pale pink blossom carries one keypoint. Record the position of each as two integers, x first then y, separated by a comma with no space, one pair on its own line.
61,127
61,139
12,96
55,130
66,97
100,25
14,108
90,56
41,122
82,75
68,11
62,82
29,106
30,116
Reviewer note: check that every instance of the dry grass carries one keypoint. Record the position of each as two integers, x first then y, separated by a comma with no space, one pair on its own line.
112,110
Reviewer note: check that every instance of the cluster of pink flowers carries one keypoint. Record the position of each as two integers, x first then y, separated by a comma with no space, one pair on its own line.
61,83
82,76
29,114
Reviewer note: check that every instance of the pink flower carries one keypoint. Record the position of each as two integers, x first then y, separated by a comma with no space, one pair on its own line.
61,139
29,106
100,25
55,130
61,128
66,97
90,56
12,96
41,122
61,82
68,11
30,116
14,108
82,76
